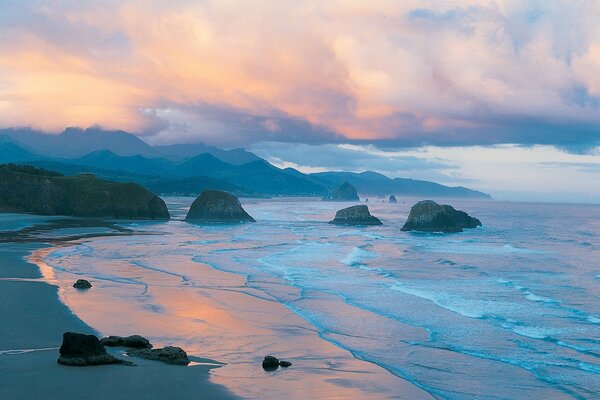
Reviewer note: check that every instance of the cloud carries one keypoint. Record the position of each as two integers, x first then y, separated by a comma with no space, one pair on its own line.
392,73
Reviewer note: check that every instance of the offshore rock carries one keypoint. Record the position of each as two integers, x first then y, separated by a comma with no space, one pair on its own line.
82,284
355,215
345,192
429,216
393,199
217,206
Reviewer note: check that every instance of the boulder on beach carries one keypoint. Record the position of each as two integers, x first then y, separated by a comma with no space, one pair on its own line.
133,341
35,190
82,350
82,284
169,354
345,192
285,364
393,199
217,206
355,215
429,216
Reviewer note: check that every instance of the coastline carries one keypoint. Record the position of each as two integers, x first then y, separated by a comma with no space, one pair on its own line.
33,321
321,369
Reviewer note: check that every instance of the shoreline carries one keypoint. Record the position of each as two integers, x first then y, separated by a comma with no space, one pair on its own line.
33,321
329,370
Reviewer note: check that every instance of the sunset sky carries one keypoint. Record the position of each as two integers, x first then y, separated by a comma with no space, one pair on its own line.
502,96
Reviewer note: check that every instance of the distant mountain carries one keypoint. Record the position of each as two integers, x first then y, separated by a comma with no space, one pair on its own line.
372,183
191,168
75,142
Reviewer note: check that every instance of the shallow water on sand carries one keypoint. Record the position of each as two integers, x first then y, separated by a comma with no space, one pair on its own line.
509,310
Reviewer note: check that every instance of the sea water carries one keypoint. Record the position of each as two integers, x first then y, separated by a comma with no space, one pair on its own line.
510,310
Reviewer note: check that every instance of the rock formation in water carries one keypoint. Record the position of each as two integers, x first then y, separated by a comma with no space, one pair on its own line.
169,354
217,206
82,350
429,216
38,191
393,199
133,341
82,284
355,215
345,192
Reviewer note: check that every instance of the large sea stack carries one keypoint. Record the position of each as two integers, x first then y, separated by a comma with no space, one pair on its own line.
429,216
345,192
217,206
38,191
355,215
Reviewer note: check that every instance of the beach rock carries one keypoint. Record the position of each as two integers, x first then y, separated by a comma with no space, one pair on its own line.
270,363
82,284
355,215
345,192
133,341
170,355
285,364
25,189
429,216
393,199
217,206
82,350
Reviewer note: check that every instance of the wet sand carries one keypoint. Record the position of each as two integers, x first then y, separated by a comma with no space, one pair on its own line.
210,313
32,323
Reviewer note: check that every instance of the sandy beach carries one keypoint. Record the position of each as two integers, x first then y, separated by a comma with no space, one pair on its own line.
215,317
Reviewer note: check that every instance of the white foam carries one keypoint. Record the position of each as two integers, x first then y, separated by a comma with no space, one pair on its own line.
356,257
593,320
534,332
449,302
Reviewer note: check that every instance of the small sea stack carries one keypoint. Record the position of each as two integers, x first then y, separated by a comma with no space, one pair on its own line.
217,206
82,284
429,216
345,192
355,215
393,199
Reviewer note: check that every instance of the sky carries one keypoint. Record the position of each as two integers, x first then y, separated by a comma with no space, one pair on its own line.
502,96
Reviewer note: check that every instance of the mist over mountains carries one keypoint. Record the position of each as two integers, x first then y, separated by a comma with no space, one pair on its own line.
187,169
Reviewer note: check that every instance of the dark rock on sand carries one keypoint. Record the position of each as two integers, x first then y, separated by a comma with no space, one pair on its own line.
82,350
393,199
82,284
429,216
355,215
34,190
345,192
217,206
170,355
270,363
285,364
133,341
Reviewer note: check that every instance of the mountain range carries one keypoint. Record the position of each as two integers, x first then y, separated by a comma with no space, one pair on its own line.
187,169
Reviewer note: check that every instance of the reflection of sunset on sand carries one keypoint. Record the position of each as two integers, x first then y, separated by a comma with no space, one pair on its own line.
210,313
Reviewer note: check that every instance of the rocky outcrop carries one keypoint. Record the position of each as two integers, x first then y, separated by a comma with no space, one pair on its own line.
345,192
271,363
82,350
170,355
355,215
217,206
133,341
429,216
38,191
82,284
393,199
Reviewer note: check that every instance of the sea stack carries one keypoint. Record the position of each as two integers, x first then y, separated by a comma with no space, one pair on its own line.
345,192
429,216
82,350
393,199
217,206
355,215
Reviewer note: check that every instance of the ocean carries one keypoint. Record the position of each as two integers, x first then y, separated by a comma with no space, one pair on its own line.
510,310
